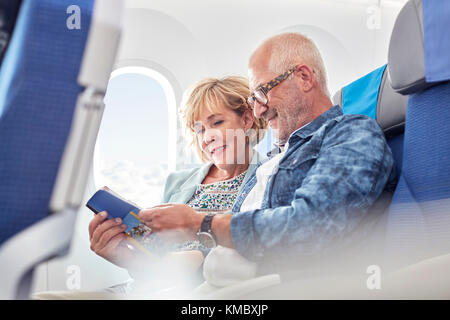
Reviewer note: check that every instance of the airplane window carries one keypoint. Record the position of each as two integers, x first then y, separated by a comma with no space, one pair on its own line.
137,137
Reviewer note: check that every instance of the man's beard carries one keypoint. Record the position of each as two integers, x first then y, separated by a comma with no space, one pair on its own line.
290,119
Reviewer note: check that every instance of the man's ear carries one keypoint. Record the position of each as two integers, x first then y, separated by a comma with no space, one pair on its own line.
306,76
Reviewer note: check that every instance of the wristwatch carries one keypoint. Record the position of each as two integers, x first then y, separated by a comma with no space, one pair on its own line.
205,235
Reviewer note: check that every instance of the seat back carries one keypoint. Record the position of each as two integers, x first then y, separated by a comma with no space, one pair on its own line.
52,84
373,96
38,94
419,217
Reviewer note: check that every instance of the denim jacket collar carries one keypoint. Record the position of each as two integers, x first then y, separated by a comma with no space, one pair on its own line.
314,125
309,129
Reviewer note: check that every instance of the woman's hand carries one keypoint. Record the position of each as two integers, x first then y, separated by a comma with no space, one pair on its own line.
109,241
176,222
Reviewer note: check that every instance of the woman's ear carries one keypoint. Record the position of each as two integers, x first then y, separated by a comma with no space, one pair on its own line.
247,119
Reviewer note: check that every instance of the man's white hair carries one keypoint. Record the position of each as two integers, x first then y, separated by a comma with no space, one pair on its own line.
290,49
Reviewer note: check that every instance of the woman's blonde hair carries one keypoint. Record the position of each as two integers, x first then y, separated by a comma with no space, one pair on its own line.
230,92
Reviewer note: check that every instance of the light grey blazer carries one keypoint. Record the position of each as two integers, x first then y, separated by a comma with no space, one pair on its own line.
181,185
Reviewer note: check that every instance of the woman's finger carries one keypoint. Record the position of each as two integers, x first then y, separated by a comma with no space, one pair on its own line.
110,250
108,235
96,221
103,227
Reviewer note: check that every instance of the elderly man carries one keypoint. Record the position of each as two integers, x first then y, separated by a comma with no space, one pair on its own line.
308,199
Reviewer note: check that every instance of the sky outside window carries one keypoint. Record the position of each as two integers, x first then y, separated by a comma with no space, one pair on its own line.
132,150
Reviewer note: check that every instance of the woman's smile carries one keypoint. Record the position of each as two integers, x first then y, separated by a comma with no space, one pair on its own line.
218,150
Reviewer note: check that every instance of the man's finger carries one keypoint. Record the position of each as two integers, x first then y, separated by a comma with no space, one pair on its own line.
159,208
163,205
147,214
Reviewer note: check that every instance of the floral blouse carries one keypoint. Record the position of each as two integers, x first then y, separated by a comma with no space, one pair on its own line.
216,197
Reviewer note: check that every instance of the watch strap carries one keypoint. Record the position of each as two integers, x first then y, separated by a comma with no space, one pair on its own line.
206,223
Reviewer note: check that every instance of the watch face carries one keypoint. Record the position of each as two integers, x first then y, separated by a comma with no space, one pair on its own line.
206,239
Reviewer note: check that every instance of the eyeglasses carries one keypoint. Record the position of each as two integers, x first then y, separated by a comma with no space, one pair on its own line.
260,94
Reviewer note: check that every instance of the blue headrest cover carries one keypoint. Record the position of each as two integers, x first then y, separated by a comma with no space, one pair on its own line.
373,96
360,96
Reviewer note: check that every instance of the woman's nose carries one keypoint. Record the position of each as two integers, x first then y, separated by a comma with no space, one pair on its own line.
208,136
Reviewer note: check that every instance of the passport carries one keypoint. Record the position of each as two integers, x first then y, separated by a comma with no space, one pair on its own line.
139,235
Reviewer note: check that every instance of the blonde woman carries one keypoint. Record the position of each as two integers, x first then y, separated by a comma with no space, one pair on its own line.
224,132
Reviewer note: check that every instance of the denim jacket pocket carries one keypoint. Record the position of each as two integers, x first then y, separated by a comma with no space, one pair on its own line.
289,177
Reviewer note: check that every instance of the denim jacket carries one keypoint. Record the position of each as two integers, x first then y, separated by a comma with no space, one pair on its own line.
332,172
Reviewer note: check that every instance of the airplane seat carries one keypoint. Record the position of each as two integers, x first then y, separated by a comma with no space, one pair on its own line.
28,142
419,68
52,81
373,96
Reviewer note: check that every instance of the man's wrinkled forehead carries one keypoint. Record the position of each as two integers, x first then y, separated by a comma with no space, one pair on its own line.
258,76
253,79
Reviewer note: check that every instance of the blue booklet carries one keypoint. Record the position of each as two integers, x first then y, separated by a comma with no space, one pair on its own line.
138,233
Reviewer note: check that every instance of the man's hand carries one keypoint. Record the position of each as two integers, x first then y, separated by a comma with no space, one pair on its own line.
180,222
175,221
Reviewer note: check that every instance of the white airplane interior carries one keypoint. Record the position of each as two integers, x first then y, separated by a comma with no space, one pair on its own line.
90,93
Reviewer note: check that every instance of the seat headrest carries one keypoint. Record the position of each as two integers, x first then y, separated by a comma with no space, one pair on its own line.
373,96
419,46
